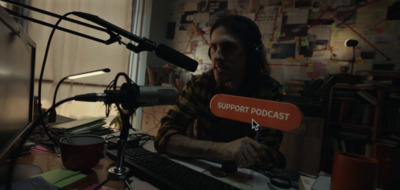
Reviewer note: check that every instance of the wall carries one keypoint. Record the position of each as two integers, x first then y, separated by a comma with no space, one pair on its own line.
304,38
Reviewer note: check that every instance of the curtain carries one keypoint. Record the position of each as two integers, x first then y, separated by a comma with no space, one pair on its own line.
71,54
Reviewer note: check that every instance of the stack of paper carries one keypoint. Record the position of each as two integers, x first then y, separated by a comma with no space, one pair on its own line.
79,126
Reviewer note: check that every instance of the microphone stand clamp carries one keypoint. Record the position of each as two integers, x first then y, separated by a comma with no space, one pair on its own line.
119,171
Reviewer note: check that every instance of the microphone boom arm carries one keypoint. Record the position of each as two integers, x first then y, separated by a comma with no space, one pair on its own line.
113,37
142,44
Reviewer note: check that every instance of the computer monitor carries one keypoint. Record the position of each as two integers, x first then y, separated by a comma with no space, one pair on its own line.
17,61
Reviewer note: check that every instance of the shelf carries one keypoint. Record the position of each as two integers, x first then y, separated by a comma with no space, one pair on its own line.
352,126
343,98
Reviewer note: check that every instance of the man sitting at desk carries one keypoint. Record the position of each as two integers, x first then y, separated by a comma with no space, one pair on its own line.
239,68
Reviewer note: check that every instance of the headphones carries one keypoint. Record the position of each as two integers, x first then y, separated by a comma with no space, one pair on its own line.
253,31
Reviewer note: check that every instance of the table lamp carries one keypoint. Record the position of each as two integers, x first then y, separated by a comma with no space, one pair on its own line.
352,43
53,114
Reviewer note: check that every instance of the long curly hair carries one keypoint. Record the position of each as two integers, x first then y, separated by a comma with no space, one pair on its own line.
257,68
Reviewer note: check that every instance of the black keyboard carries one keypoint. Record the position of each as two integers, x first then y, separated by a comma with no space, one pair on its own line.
167,174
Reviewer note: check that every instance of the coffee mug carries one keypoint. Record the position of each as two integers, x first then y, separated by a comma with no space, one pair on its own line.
81,152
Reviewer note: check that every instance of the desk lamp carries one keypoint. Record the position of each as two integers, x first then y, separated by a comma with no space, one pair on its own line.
53,114
352,43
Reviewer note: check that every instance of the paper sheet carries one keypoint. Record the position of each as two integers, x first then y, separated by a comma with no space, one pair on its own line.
297,16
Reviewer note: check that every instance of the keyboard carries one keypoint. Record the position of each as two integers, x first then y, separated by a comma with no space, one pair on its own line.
167,174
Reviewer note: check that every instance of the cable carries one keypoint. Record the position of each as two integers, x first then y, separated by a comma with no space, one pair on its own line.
24,137
41,79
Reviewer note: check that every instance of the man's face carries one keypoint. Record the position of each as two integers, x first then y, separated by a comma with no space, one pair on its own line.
228,58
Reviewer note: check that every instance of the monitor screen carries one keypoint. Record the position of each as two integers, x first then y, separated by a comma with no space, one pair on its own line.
17,60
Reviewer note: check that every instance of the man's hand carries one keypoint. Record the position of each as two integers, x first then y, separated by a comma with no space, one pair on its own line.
245,151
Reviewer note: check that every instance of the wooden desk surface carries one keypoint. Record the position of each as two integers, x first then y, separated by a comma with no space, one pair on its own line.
48,161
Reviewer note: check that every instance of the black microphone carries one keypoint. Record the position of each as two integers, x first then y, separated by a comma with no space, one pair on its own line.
176,57
131,97
162,51
107,25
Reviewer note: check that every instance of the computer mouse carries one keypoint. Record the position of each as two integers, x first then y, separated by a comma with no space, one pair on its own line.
281,182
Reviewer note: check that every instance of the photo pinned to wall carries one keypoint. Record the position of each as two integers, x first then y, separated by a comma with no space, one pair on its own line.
202,6
346,16
217,9
316,68
283,50
186,19
311,48
319,45
190,6
297,16
303,4
268,14
315,6
269,23
305,48
291,31
270,2
335,67
293,24
288,4
201,21
340,3
292,71
239,4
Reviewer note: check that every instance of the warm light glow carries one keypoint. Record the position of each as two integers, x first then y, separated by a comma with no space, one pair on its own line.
72,77
87,74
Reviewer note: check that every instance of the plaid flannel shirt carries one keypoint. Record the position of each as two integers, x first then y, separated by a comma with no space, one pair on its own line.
191,116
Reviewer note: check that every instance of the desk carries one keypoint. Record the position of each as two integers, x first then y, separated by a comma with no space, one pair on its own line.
48,161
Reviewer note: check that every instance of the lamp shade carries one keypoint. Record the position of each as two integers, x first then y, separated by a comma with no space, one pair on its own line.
351,43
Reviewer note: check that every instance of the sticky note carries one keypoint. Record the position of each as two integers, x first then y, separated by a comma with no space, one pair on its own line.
305,43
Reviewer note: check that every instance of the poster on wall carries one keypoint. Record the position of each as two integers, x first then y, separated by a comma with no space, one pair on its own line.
283,51
217,9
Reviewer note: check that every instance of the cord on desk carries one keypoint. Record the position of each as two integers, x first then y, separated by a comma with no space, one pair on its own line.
134,140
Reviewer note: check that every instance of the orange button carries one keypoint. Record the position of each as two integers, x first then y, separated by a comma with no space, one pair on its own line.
267,113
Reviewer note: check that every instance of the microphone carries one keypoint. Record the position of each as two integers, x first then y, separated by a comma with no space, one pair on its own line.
132,97
278,115
164,52
176,57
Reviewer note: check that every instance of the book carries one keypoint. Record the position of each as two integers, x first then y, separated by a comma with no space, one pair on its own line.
368,97
341,111
343,146
311,87
295,82
327,83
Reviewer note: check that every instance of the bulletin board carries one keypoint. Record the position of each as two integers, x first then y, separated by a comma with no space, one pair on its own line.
304,39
